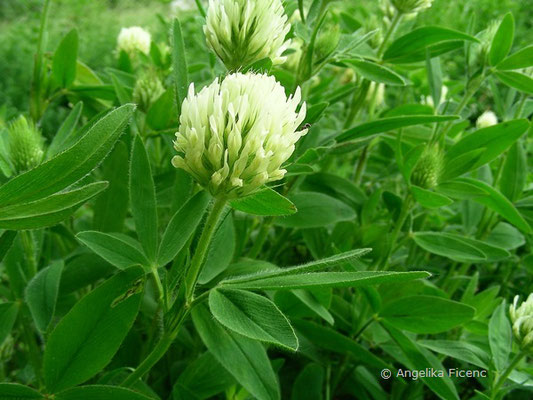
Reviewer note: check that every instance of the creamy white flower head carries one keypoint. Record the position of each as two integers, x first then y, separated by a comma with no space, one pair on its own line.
411,6
522,320
179,6
488,118
241,32
235,135
134,39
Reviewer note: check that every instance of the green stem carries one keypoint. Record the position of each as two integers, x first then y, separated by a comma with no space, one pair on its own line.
160,289
361,165
501,380
261,237
394,25
404,213
203,246
34,350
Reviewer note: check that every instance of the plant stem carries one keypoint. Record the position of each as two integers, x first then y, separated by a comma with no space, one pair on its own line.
160,289
501,380
395,22
261,237
404,213
203,246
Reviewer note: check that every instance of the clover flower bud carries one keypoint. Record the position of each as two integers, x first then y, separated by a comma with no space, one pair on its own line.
522,320
147,90
25,145
241,32
326,43
428,169
411,6
488,118
134,39
234,135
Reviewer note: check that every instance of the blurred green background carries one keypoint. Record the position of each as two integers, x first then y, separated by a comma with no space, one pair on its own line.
99,21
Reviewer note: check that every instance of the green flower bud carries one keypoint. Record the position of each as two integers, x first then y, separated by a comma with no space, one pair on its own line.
327,42
428,169
522,320
241,32
147,90
25,145
411,6
234,135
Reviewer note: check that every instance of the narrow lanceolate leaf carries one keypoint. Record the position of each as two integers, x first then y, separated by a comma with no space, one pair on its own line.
253,316
65,131
327,280
41,294
86,339
499,204
244,358
48,211
70,166
487,143
180,228
420,39
521,59
14,391
426,314
119,250
390,124
100,392
142,198
449,246
6,240
514,173
64,61
500,337
325,263
266,202
179,61
376,72
8,316
429,199
502,40
516,80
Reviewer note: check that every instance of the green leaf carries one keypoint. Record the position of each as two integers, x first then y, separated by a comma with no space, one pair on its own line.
502,40
100,392
500,337
14,391
86,339
420,39
429,199
375,72
327,279
6,240
309,383
325,263
117,249
332,340
421,359
70,166
514,173
41,294
447,245
48,211
262,66
111,207
460,190
390,124
315,112
316,210
426,314
142,198
64,61
182,225
243,358
266,202
459,350
8,316
163,111
179,63
253,316
516,80
220,251
499,204
521,59
202,379
67,128
494,140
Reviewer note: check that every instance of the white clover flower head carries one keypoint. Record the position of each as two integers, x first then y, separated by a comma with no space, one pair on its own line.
488,118
241,32
134,39
411,6
180,6
234,135
522,320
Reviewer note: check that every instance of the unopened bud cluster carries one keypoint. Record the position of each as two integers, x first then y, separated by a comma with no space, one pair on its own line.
25,145
241,32
428,169
235,135
147,90
522,320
